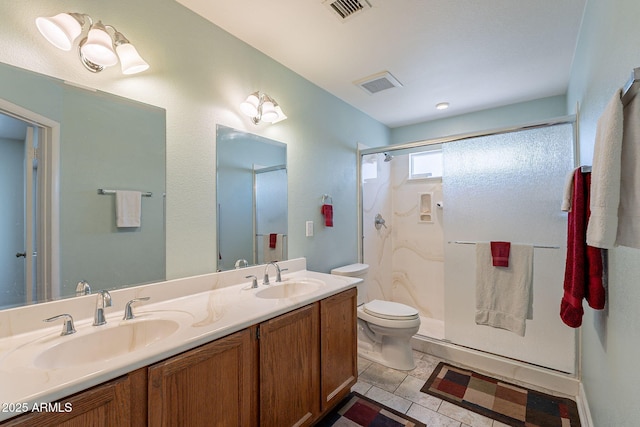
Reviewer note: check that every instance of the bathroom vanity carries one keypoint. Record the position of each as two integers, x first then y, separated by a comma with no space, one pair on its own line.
283,358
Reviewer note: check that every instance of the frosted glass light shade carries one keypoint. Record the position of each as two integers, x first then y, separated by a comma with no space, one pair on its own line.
250,105
60,30
281,115
98,47
130,60
269,113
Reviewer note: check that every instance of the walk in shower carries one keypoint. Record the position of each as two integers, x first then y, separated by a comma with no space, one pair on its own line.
435,199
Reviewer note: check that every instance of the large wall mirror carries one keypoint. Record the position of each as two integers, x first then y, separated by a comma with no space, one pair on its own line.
251,198
104,142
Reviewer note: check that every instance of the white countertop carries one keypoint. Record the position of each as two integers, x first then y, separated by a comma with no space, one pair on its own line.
202,317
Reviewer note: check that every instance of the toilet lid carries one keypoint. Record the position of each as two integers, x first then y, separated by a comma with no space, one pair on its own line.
390,310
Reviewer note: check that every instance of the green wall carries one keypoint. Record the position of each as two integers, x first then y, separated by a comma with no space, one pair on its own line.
485,120
200,74
608,50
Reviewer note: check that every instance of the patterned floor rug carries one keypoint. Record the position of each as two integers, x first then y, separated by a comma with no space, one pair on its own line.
508,403
357,410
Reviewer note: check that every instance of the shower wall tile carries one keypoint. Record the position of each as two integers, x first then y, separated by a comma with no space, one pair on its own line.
406,259
418,253
377,247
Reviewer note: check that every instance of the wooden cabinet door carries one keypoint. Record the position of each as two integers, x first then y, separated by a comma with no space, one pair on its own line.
289,369
338,348
105,405
208,386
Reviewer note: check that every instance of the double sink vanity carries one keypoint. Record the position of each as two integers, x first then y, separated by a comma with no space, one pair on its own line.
205,350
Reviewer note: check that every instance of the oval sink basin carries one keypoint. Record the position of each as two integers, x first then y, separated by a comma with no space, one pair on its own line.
104,344
290,289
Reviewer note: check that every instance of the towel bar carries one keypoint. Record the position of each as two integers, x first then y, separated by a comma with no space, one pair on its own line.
460,242
102,191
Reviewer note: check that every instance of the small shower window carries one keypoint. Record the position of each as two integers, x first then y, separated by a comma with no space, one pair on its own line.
425,164
369,169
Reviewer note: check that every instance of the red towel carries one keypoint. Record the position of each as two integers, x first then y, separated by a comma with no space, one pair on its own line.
595,293
583,269
500,253
327,211
273,238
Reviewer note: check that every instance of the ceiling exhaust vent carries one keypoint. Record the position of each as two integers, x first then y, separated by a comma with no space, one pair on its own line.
378,82
346,9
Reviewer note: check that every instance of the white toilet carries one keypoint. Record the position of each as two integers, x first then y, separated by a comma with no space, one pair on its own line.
385,328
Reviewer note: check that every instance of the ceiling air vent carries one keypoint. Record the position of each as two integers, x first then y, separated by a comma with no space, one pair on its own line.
378,82
347,8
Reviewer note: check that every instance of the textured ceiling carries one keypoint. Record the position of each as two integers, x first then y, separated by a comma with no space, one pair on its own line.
474,54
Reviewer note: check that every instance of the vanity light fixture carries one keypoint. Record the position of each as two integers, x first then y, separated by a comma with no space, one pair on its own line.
103,46
261,107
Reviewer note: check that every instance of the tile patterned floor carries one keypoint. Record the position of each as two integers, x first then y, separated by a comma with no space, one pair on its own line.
400,390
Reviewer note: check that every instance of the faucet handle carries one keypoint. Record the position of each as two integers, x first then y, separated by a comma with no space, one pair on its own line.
278,276
67,326
128,311
254,282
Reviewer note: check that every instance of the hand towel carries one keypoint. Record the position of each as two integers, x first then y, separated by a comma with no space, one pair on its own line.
128,208
327,211
500,253
629,210
503,295
273,254
272,240
605,191
567,195
583,267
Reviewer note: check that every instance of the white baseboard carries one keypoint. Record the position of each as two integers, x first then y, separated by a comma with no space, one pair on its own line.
583,408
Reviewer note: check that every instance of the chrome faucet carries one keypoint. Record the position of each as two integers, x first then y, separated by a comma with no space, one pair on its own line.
128,311
83,288
265,280
241,263
67,326
254,281
104,300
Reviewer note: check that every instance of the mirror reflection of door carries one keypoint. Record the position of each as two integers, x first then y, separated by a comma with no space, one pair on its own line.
270,213
19,200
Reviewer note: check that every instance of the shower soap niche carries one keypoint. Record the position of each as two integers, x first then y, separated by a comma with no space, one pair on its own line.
425,204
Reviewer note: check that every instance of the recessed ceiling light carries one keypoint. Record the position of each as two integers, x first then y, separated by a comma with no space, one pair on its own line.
442,105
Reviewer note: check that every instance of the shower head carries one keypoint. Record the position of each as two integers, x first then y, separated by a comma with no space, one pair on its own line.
387,157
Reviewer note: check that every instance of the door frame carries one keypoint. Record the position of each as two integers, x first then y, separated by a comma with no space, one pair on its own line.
48,259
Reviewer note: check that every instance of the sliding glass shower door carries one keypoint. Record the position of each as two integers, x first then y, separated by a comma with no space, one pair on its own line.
508,187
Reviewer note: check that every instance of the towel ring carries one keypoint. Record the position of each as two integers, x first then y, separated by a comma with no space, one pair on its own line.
326,198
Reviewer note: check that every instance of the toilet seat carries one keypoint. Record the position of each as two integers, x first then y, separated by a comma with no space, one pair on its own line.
390,310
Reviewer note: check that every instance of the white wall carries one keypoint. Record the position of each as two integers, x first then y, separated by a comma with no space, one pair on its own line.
200,74
608,50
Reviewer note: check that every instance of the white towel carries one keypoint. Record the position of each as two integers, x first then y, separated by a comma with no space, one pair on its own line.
273,254
128,208
567,197
503,294
629,210
605,176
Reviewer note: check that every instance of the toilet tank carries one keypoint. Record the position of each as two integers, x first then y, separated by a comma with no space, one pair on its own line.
359,271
